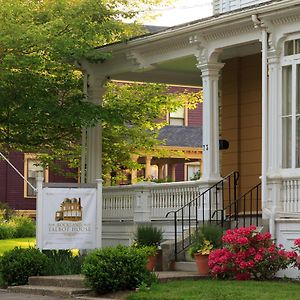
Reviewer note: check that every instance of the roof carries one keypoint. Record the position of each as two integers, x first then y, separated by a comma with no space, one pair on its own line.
160,29
181,136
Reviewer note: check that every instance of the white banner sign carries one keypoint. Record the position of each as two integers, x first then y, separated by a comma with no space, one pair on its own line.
69,218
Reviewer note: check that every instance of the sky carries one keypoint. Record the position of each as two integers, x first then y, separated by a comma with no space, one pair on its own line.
182,11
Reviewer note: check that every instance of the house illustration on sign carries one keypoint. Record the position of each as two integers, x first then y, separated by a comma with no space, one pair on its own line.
70,210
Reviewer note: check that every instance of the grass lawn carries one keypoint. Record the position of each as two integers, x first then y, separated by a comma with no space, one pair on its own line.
220,290
6,245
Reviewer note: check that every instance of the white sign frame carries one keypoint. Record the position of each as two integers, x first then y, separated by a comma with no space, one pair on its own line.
55,229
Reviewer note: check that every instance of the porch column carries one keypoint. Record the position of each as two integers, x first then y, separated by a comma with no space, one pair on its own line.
148,167
173,172
160,171
210,127
91,165
274,111
272,202
134,171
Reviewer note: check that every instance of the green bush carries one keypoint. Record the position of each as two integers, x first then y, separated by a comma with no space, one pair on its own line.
63,262
18,264
5,211
7,231
24,226
116,268
148,236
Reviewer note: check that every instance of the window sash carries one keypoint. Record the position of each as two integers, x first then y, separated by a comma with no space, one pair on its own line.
290,116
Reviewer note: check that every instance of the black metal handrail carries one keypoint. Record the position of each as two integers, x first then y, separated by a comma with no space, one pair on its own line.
204,208
245,207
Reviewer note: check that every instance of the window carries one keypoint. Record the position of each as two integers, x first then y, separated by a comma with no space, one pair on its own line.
192,171
154,172
177,117
292,47
30,169
290,113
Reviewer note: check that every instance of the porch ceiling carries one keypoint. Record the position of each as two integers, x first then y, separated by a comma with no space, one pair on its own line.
183,70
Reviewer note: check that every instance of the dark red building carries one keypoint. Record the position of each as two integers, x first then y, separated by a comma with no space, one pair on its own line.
14,190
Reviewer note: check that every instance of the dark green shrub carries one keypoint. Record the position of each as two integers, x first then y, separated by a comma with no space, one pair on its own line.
7,231
116,268
63,262
148,236
18,264
24,226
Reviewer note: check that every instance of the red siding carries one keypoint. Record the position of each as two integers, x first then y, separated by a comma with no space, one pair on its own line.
195,116
12,185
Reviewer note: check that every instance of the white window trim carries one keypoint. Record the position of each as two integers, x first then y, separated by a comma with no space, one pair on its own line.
289,60
33,156
185,117
195,163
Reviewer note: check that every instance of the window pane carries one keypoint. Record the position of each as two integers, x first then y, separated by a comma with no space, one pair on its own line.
289,48
298,143
30,176
176,122
192,171
179,113
287,142
298,89
286,90
297,46
30,191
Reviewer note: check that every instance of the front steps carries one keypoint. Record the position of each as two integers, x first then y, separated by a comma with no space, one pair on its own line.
72,286
185,266
61,286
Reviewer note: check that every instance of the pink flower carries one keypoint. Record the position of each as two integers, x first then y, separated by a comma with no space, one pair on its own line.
291,254
258,257
242,241
297,242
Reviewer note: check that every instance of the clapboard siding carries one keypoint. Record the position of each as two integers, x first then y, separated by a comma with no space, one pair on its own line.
221,6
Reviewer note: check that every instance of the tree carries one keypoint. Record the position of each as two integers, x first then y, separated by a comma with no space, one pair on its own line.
42,107
140,109
41,97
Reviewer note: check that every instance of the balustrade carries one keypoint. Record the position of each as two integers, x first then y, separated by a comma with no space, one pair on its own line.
122,202
291,195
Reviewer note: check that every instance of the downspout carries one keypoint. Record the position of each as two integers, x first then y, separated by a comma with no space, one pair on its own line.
264,40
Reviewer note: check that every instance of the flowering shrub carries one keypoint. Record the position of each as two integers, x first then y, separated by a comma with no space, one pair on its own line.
248,253
297,249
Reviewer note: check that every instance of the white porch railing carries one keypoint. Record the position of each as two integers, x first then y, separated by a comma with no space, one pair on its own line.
171,196
118,203
291,195
150,201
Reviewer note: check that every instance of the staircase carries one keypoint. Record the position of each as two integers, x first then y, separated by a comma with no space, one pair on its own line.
219,204
61,286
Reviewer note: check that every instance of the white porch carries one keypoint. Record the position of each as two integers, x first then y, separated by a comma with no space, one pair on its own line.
197,54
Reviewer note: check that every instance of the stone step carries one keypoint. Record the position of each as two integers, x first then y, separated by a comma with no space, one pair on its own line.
49,290
72,281
186,266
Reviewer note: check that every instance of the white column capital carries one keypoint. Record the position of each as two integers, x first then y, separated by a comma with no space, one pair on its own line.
210,69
